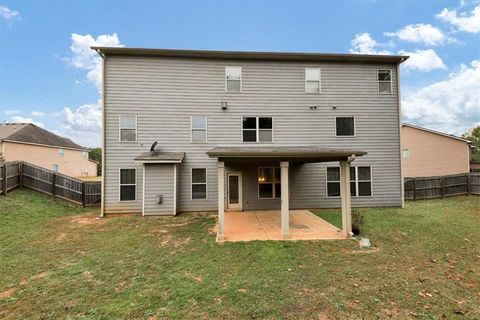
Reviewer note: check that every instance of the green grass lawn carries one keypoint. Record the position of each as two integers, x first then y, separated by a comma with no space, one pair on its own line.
57,261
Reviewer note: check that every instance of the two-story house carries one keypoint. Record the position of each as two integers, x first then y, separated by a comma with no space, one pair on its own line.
249,131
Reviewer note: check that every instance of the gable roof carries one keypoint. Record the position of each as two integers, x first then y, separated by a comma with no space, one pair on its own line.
32,134
435,132
250,55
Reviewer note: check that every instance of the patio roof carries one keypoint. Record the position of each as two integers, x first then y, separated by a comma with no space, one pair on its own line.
160,157
280,153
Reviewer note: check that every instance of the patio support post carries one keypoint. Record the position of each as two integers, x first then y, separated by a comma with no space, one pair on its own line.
285,198
345,198
221,200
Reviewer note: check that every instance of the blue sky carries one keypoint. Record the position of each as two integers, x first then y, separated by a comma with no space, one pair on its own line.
49,77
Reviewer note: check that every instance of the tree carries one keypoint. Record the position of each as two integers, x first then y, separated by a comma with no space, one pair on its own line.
474,136
96,155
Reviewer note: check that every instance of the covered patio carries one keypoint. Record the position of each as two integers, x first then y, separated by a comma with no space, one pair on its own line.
266,225
288,219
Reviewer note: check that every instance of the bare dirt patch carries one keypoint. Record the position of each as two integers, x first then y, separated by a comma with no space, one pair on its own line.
87,220
196,278
61,236
7,293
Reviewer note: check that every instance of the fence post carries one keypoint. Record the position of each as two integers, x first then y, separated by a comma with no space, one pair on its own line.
83,194
442,188
414,189
20,174
54,181
4,181
468,184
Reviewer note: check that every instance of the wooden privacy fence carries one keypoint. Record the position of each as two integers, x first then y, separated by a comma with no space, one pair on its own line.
27,175
443,186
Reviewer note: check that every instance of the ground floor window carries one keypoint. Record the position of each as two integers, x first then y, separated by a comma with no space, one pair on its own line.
269,186
360,181
128,184
199,184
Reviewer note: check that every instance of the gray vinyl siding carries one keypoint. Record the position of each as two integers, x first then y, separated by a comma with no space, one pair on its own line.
165,92
159,180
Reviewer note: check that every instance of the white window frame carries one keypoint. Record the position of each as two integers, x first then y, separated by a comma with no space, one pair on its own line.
192,128
241,80
319,80
120,127
272,183
356,181
127,184
354,127
198,183
61,152
257,129
391,81
85,154
405,153
53,167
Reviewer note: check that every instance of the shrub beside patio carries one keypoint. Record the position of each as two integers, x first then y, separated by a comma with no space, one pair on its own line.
58,261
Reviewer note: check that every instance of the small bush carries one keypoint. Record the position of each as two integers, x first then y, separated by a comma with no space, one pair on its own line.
357,221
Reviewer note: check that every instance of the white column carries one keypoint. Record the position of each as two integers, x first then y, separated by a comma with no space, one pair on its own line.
345,198
285,196
221,200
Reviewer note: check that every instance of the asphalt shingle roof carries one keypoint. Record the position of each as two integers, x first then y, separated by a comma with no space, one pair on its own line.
30,133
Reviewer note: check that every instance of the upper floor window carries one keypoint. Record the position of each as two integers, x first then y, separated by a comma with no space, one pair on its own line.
128,128
345,126
61,152
55,167
85,154
257,129
128,184
406,153
199,183
384,81
312,80
233,78
199,129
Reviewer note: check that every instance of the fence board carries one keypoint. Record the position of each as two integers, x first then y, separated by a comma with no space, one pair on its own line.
443,186
43,180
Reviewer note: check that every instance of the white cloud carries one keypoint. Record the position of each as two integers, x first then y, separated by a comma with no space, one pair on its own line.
9,14
421,33
86,59
37,114
20,119
451,106
83,124
363,43
464,21
11,112
422,60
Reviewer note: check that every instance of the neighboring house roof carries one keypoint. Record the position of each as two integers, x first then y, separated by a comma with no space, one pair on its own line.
160,157
250,55
32,134
435,132
301,153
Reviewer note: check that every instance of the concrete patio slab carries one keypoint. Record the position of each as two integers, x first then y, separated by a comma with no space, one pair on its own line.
266,225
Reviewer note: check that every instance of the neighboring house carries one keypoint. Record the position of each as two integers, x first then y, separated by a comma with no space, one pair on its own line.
428,153
30,143
474,166
263,130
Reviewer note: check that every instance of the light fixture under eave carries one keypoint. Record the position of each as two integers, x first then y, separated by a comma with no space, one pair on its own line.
224,105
